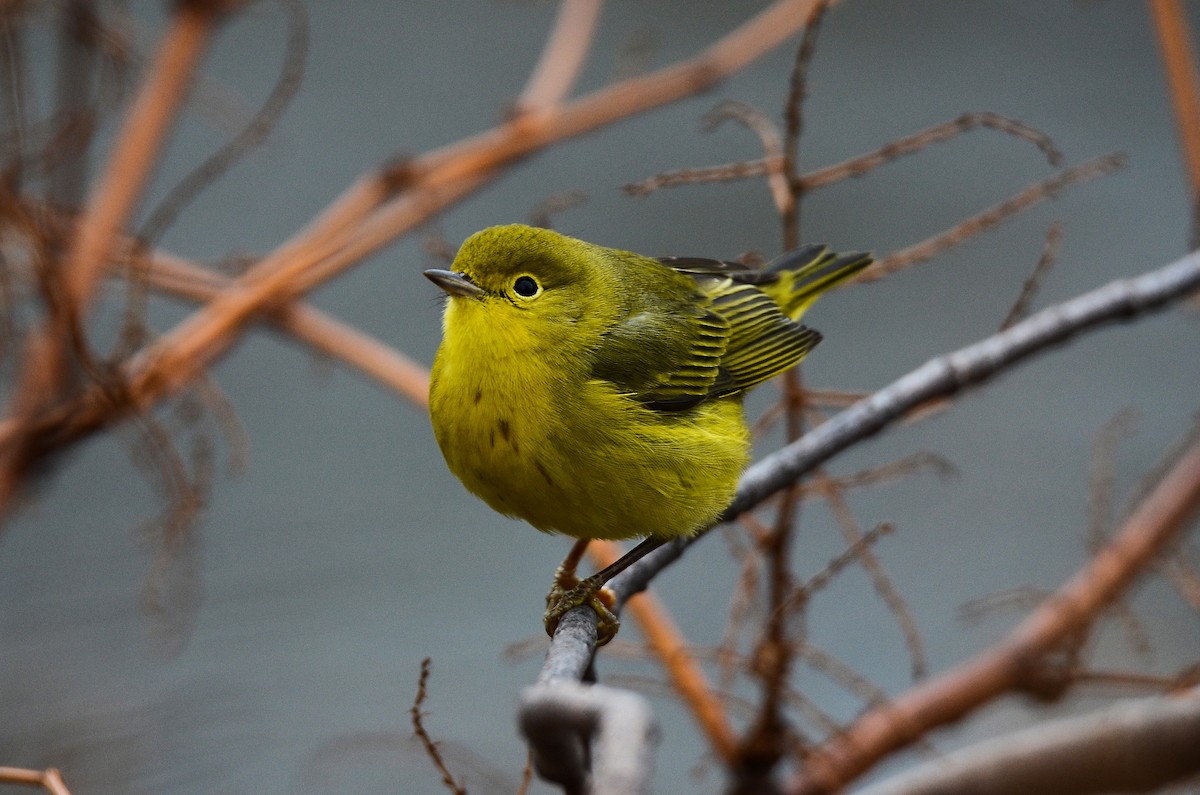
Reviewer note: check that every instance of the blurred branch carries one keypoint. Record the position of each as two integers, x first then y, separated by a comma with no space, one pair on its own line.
1020,307
855,540
1179,61
939,133
49,779
112,201
323,332
1048,188
563,56
569,725
418,722
772,162
770,735
1136,746
138,143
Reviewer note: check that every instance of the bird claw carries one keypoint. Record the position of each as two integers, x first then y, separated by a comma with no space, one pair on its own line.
568,592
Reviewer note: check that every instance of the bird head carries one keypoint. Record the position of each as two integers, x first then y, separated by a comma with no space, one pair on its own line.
540,277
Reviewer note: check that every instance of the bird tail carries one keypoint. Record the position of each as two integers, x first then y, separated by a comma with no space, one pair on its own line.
807,272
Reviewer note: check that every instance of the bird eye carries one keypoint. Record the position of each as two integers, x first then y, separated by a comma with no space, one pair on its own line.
526,287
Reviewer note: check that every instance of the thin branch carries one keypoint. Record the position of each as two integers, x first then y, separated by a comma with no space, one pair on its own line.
186,190
431,748
141,138
768,136
911,144
993,216
1020,307
323,332
854,167
946,375
853,552
1102,475
896,605
793,114
1179,61
563,55
729,172
112,201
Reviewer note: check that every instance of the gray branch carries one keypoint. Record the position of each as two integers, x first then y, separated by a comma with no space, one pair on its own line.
1135,746
571,650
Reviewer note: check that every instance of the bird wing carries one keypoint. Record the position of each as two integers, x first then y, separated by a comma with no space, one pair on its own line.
666,357
723,339
763,341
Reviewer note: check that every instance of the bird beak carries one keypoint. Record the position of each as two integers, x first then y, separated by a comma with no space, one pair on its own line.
454,283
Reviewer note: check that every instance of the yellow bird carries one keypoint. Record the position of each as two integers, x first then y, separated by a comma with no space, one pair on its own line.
598,393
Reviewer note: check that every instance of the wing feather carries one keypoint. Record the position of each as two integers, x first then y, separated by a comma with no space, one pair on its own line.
733,332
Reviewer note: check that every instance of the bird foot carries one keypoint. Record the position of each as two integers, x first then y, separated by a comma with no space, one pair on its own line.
568,592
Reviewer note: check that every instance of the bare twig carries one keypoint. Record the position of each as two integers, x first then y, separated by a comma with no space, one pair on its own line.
1020,307
324,333
142,136
135,152
993,216
911,144
1102,475
544,211
793,114
770,735
768,136
879,577
951,373
203,175
1182,573
728,172
431,748
852,681
526,774
908,465
853,552
854,167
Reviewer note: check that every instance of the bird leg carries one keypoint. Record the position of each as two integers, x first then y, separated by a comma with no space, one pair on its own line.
569,592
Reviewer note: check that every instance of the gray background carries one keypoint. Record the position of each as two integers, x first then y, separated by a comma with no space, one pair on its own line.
346,552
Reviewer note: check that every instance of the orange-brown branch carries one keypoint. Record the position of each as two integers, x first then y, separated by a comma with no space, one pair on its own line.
49,779
138,144
1179,60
